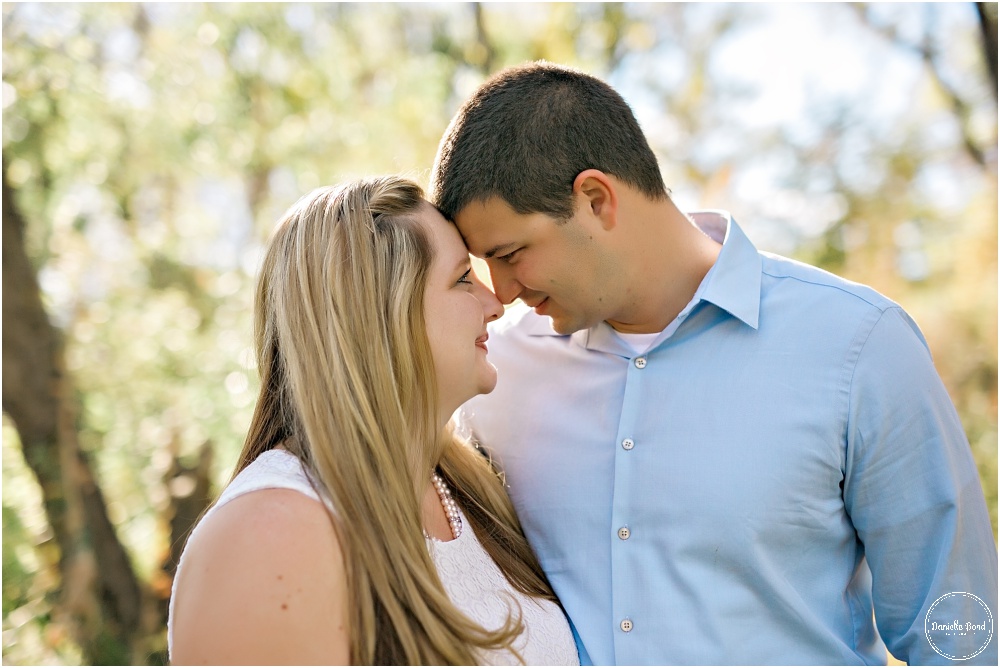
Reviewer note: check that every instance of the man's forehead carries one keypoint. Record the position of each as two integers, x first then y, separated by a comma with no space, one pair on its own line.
486,226
489,208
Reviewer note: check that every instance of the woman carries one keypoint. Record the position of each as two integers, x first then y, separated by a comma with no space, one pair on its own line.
357,528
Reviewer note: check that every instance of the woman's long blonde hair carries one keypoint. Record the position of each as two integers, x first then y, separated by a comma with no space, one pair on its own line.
348,386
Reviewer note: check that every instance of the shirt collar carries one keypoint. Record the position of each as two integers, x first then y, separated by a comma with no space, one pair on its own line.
733,283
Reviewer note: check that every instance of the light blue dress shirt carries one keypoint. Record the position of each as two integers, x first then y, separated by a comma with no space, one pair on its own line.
783,459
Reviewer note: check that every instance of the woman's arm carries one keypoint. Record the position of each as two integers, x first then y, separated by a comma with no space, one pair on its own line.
263,583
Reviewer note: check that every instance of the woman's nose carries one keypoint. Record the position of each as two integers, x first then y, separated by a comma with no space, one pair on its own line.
492,307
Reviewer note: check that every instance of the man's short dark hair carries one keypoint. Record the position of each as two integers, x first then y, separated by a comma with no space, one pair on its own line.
528,131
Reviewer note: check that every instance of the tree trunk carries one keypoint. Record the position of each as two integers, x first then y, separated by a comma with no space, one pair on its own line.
100,597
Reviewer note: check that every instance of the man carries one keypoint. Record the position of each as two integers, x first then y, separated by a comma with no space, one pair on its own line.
720,455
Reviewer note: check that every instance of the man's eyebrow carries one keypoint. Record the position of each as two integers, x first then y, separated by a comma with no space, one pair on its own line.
500,249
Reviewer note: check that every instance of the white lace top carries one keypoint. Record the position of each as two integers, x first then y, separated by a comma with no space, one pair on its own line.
470,577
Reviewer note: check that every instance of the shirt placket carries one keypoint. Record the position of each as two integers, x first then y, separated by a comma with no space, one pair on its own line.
625,534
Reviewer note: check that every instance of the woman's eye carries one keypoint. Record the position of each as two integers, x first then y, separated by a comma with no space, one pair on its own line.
465,277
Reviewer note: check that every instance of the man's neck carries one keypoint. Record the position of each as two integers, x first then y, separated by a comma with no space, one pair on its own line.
670,259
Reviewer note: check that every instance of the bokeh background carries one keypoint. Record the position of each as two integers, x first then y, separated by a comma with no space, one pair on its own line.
148,149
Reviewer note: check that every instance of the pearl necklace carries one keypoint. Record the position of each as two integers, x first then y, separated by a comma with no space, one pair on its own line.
449,505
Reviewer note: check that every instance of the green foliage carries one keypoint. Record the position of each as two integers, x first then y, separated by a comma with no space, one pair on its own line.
29,636
153,146
17,573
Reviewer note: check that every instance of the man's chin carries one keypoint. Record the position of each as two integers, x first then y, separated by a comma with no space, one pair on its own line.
560,321
565,326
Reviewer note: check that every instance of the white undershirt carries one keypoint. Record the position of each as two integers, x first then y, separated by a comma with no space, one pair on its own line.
640,343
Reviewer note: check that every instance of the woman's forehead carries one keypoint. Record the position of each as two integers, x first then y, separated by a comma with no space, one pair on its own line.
445,239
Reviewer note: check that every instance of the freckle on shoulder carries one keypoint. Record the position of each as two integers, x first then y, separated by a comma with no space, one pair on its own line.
266,584
258,532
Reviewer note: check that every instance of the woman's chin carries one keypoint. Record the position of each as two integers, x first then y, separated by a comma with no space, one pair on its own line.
487,380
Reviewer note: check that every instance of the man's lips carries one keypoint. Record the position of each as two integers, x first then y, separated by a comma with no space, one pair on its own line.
539,306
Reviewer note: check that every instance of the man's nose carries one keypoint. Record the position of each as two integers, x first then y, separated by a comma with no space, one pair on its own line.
506,287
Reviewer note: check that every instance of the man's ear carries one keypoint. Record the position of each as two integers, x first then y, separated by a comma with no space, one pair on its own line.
593,188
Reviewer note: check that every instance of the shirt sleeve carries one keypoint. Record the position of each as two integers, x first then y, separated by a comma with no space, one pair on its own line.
913,493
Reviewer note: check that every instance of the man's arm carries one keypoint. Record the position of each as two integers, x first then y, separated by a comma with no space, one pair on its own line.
914,496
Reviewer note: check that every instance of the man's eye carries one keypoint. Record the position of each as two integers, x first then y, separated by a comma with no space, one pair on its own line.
509,256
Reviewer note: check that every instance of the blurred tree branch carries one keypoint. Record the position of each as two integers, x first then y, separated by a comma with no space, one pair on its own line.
100,592
617,23
988,24
928,52
484,44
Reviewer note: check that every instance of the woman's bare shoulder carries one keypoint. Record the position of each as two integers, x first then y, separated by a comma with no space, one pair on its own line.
263,583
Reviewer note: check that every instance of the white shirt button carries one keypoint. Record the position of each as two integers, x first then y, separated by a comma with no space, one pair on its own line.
640,362
628,444
624,533
626,625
